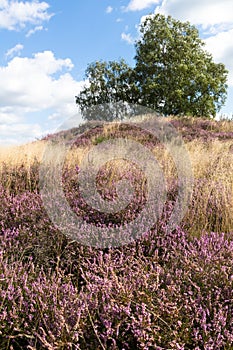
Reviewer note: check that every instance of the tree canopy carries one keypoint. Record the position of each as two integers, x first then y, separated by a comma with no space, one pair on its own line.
108,82
173,73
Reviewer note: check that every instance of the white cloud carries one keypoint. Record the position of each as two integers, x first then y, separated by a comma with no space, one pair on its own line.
137,5
207,13
109,9
14,51
127,37
16,14
34,30
8,116
41,85
221,47
19,133
29,82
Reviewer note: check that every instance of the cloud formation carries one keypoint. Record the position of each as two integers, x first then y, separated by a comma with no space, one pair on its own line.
128,38
221,47
208,13
19,133
138,5
15,15
34,30
14,51
38,85
109,9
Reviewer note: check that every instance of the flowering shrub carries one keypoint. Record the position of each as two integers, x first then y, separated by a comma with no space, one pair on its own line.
166,290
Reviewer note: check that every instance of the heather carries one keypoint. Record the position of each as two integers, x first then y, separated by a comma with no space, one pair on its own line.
165,290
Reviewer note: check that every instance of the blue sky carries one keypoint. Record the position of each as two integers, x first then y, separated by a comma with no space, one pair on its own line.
46,46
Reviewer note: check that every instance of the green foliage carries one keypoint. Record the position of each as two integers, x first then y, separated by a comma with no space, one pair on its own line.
108,82
176,75
99,139
173,73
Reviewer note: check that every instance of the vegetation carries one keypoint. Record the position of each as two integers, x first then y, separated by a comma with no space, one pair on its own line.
173,74
167,290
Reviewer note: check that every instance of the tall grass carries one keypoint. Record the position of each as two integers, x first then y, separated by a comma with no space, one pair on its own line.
211,158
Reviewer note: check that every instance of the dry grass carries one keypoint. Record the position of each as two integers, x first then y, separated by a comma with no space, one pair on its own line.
212,162
25,154
212,204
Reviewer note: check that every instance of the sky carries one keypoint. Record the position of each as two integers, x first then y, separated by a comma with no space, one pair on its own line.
45,47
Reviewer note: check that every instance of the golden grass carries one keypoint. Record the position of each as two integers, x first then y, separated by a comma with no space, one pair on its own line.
212,204
212,163
25,154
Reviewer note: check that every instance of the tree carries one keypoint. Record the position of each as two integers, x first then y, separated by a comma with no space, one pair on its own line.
108,82
176,75
173,73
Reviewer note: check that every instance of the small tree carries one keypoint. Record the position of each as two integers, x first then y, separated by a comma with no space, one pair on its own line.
109,82
173,74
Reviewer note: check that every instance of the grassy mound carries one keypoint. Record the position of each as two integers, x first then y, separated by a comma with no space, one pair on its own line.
168,289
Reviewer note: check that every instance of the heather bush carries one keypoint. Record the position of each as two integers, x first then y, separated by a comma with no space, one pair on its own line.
166,290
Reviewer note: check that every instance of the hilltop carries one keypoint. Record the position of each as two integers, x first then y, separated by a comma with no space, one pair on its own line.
168,288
